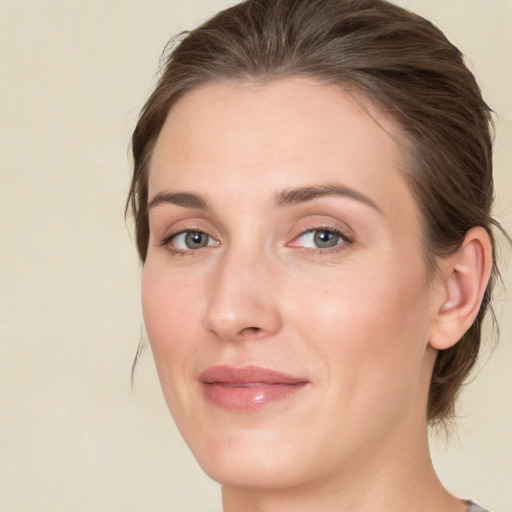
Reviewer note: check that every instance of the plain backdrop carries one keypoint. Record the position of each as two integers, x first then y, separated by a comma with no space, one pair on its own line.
74,436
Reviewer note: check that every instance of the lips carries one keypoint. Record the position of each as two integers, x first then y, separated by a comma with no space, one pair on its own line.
248,388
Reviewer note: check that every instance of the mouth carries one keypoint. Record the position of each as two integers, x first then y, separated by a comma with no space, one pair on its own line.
248,388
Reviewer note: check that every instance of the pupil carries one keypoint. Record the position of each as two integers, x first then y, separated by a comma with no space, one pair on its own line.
195,239
325,239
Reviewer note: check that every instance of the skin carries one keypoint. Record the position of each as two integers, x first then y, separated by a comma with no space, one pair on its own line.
355,320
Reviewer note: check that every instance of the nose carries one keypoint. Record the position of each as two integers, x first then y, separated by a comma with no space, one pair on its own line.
243,301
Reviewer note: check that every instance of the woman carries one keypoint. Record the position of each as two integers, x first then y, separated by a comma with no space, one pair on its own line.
312,193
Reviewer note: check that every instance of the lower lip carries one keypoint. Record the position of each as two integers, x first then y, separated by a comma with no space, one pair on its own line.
249,397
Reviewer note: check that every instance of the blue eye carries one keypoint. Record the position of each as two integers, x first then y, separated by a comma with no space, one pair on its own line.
320,239
190,240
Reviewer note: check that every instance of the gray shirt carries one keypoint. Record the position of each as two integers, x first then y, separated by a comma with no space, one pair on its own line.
473,507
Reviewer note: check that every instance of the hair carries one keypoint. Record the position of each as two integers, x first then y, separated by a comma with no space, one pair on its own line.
392,57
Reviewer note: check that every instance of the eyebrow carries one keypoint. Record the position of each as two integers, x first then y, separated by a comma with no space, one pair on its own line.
298,195
287,197
183,199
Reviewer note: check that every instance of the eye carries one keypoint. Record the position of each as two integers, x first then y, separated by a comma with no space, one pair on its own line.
325,238
190,240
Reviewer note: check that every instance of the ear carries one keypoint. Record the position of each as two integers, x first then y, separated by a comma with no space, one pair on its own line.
464,278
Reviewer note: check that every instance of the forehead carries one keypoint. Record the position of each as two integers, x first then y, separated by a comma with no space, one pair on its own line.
289,132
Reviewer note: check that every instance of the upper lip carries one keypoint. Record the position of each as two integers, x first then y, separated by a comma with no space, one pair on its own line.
247,375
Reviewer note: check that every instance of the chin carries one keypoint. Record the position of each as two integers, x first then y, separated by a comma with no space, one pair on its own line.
257,473
246,457
270,457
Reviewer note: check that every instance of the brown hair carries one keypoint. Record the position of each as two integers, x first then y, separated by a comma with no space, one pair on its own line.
393,57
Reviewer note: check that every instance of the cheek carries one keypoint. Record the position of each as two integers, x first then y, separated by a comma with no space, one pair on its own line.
157,301
172,314
171,306
370,324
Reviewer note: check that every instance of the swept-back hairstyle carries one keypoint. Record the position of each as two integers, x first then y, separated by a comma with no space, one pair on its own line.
392,57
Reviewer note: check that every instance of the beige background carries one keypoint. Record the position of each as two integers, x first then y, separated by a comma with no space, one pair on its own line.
73,435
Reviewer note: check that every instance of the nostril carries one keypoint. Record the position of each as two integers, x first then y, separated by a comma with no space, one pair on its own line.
250,331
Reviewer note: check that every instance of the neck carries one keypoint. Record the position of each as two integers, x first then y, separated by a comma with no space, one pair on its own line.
395,476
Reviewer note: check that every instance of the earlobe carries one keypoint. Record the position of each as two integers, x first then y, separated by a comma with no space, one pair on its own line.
464,280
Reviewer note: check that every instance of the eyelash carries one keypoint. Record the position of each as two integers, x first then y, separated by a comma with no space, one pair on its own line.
166,242
345,240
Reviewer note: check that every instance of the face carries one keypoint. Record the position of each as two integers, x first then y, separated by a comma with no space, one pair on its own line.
285,293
